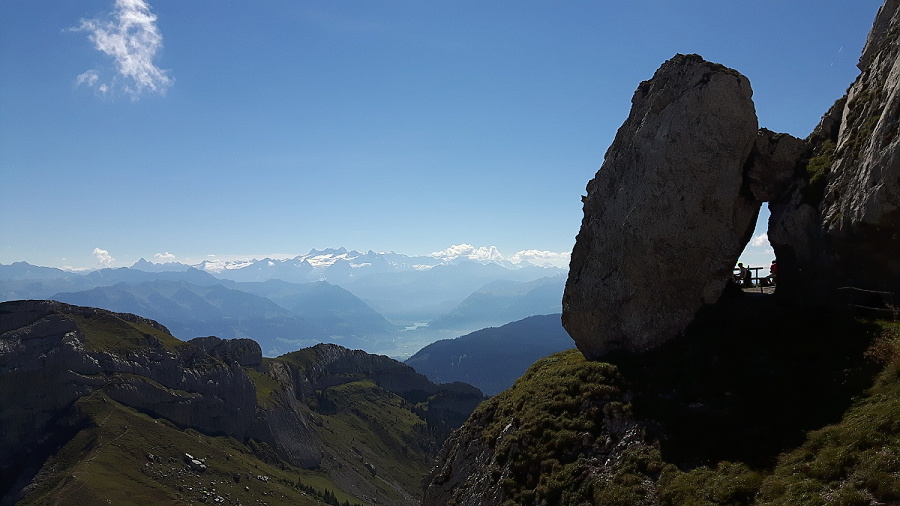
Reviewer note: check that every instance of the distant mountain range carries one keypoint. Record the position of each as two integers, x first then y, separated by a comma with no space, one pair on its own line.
492,358
337,266
357,300
331,307
190,310
502,302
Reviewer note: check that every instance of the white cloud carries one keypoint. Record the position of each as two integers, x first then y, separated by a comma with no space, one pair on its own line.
164,257
468,251
539,257
490,253
103,257
760,241
758,251
88,78
75,269
454,251
131,38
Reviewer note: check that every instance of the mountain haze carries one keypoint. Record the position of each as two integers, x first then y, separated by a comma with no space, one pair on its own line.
384,304
501,302
315,312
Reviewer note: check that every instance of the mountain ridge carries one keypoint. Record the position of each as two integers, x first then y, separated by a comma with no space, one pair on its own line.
298,413
492,358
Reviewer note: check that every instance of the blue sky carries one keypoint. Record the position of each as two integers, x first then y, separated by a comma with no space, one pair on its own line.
251,129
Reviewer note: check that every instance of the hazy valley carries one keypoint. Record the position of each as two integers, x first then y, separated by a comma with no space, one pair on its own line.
387,303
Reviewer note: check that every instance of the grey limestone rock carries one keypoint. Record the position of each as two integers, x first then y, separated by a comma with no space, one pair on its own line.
46,354
668,213
861,207
772,163
245,352
840,224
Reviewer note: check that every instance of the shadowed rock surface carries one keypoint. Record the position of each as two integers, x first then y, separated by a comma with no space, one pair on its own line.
245,352
45,351
667,214
840,223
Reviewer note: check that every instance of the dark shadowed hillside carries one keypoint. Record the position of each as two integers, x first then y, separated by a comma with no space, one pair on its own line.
190,310
502,302
101,407
803,411
492,358
329,306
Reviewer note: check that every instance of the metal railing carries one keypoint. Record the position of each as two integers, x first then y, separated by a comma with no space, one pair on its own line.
755,278
887,299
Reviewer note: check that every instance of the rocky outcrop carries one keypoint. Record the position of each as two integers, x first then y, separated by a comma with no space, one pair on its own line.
245,352
670,210
547,420
52,354
676,199
305,374
840,224
285,423
665,219
330,364
772,163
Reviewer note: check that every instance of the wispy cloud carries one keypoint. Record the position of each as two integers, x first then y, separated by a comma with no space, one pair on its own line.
103,257
490,253
129,35
539,257
760,241
468,251
164,257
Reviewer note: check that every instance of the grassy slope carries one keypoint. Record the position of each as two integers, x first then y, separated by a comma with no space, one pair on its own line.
367,433
125,457
370,435
803,410
854,461
384,444
105,332
374,443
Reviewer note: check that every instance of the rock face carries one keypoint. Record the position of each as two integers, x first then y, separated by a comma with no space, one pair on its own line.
245,352
840,224
676,199
772,162
668,213
52,354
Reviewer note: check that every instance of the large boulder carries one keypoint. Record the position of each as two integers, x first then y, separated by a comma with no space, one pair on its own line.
668,213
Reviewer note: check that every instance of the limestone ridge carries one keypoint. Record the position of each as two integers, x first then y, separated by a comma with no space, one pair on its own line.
45,352
671,208
839,225
54,356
